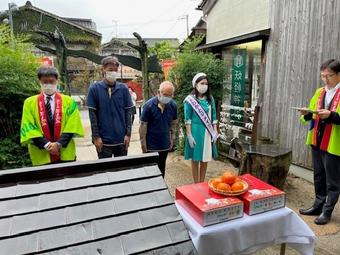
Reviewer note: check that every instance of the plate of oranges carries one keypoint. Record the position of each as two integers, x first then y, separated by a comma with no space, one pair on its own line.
228,184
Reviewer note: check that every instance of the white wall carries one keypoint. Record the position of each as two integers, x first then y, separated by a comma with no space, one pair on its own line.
231,18
303,35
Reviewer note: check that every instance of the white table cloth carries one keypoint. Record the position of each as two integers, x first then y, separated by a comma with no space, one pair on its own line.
251,233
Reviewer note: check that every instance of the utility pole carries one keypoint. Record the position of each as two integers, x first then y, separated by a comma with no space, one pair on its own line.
116,26
186,17
187,20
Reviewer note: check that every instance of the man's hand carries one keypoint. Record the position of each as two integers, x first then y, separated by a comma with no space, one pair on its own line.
144,149
324,114
53,149
142,135
98,143
127,142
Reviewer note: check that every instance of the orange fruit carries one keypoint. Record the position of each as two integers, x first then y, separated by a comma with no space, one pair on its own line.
229,177
237,186
215,182
223,187
232,172
238,179
219,179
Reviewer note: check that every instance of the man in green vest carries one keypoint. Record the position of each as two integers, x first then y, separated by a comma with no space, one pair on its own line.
49,122
323,116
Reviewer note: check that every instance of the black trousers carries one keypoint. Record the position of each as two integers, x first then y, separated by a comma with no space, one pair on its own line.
116,151
161,160
326,180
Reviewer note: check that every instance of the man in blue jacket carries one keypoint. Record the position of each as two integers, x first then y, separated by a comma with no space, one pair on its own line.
109,103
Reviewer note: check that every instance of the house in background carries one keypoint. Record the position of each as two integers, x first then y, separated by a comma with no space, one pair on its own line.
80,34
273,51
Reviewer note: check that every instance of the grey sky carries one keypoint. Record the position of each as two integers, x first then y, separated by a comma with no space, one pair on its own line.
150,18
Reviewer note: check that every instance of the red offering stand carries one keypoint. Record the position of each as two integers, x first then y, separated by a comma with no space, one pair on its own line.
261,197
206,206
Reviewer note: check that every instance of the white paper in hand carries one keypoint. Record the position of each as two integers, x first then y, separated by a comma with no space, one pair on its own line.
304,109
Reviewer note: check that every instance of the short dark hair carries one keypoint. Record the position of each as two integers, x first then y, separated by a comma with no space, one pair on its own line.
110,60
331,64
47,71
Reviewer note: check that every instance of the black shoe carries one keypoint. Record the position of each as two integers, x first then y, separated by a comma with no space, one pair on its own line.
322,219
311,211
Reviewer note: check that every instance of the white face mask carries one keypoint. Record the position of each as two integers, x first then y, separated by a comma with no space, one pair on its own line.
111,76
202,88
49,89
164,99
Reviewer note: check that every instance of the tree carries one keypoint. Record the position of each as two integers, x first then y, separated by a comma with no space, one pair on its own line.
18,68
191,44
83,80
190,62
163,50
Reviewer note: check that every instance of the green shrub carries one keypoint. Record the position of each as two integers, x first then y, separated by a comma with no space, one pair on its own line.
12,154
18,68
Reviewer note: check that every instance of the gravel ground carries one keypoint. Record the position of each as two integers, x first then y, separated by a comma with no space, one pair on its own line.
300,193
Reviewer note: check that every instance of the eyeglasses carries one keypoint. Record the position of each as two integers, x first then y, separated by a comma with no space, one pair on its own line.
327,77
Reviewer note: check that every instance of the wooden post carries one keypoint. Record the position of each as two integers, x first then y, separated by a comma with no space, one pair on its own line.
59,42
255,125
143,52
145,72
268,162
283,249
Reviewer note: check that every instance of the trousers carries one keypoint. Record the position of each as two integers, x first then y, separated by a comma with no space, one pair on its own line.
326,180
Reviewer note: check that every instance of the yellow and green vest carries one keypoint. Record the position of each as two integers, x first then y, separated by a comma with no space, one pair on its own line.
31,128
332,144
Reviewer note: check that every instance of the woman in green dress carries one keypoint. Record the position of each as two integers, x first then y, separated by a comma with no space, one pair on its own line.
199,145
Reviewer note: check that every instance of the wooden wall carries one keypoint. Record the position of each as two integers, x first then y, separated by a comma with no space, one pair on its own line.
304,33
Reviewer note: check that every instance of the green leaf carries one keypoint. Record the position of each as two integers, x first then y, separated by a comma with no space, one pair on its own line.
18,68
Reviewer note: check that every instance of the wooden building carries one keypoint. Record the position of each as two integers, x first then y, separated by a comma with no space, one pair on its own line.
80,34
282,44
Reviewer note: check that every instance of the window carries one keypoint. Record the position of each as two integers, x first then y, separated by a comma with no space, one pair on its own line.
241,90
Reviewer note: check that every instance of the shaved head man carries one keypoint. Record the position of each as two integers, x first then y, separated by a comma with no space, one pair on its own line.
166,88
158,123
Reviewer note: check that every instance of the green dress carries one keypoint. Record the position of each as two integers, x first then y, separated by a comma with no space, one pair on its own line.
204,150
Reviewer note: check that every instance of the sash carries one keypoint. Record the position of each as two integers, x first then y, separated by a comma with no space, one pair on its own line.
328,129
57,120
203,116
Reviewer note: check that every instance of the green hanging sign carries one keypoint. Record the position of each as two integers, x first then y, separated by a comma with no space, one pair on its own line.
238,85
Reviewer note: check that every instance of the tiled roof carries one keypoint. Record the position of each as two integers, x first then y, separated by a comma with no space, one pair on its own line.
88,23
110,206
29,6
